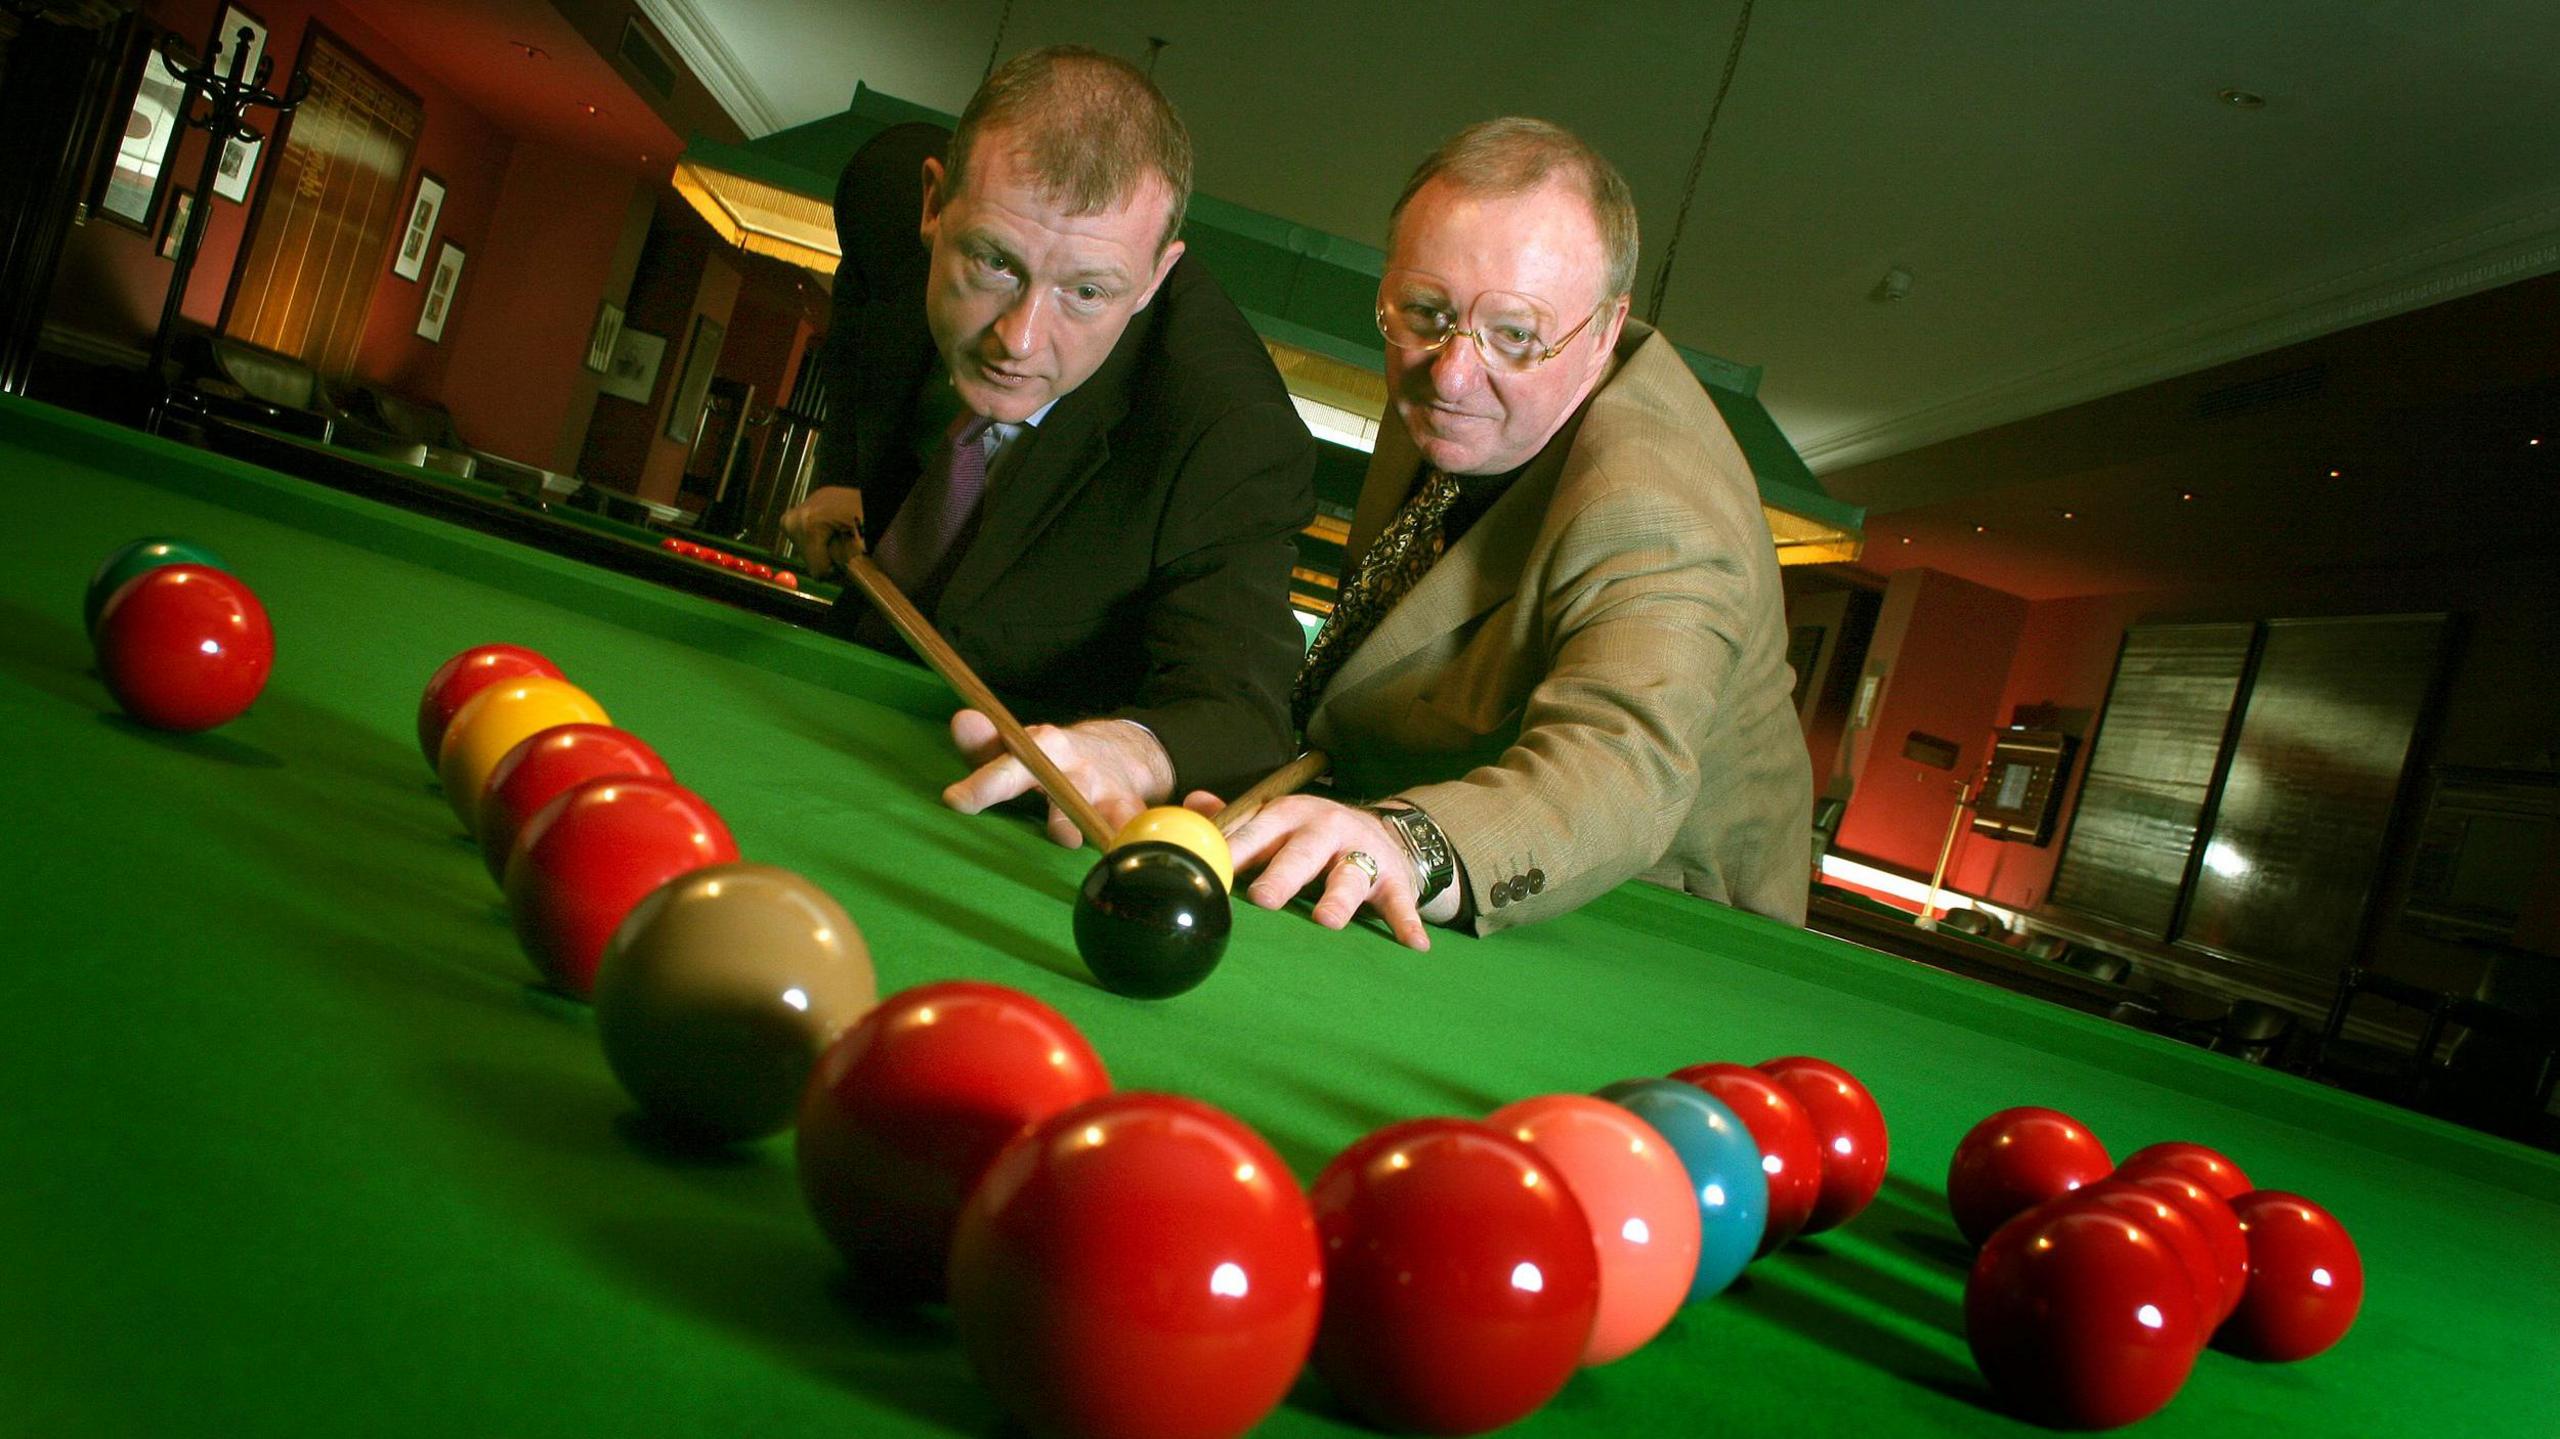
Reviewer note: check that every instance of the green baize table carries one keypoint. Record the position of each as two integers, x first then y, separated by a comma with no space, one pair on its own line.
291,1144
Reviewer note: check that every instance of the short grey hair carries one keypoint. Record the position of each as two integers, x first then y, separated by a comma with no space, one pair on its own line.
1515,154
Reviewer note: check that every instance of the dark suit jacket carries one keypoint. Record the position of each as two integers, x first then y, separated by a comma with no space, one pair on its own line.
1134,559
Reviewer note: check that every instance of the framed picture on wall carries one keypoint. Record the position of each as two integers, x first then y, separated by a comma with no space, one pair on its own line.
240,157
634,371
182,207
410,260
684,412
600,343
131,188
439,305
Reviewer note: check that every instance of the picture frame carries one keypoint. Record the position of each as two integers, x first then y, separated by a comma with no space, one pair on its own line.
438,306
426,203
684,412
239,157
182,204
137,170
634,371
601,341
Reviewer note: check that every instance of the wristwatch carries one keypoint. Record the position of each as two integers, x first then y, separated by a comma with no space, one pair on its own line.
1425,845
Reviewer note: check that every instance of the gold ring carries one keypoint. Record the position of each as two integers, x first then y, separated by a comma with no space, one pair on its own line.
1359,860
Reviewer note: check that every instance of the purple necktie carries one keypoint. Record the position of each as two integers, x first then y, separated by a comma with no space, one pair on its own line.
930,530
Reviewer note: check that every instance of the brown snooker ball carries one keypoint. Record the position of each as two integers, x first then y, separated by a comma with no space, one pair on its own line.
720,990
1151,920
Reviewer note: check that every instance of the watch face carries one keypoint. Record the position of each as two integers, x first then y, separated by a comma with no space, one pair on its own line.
1429,849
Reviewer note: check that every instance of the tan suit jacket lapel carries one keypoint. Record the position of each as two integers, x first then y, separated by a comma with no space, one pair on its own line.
1477,574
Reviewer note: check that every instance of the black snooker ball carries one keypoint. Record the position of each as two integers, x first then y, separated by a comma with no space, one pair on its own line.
1151,920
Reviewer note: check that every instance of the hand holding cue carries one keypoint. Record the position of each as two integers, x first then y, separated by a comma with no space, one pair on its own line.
918,631
1287,779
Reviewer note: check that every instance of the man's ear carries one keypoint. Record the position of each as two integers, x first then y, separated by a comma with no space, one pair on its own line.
930,218
1611,322
1164,267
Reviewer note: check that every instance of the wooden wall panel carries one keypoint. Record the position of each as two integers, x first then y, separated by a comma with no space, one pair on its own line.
2151,773
2297,834
328,210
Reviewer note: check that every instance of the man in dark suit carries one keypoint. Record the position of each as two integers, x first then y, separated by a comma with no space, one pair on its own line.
1063,439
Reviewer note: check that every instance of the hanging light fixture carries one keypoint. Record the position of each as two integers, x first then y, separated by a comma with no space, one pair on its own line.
762,205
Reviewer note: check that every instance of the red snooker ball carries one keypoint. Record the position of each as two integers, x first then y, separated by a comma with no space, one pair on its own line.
1848,1129
787,579
2015,1160
2170,1222
2306,1280
2219,1174
1790,1151
184,647
1636,1196
2213,1217
467,674
548,763
908,1107
1459,1275
1140,1266
2080,1317
592,853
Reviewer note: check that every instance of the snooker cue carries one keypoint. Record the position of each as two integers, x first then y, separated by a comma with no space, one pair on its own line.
918,631
1287,779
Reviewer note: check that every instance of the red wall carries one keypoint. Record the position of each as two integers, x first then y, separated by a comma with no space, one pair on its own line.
461,149
713,299
537,227
2066,657
1944,646
682,275
528,303
768,334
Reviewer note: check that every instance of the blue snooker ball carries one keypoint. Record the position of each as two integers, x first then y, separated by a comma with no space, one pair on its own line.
1724,1172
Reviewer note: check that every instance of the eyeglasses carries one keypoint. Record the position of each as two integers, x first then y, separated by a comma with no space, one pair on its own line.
1503,325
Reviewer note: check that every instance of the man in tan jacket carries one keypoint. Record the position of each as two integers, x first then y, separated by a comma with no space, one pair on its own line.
1559,652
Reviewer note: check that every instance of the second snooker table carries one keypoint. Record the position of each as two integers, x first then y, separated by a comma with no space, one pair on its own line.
290,1143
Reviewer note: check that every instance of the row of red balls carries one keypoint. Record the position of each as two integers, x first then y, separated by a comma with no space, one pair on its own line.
865,1197
770,574
576,821
1143,1264
2098,1284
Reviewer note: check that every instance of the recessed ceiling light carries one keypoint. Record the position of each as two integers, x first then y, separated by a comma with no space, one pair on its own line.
2186,494
2239,99
530,52
589,108
1982,529
2529,444
1906,539
2336,474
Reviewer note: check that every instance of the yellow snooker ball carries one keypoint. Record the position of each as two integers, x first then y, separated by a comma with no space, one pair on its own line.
1189,829
491,724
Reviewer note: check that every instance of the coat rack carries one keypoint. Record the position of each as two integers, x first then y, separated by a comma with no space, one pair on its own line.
228,100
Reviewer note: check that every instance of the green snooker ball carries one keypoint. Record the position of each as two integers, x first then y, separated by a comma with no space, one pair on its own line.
137,557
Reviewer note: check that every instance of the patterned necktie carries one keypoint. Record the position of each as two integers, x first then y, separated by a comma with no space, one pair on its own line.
1403,553
925,537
